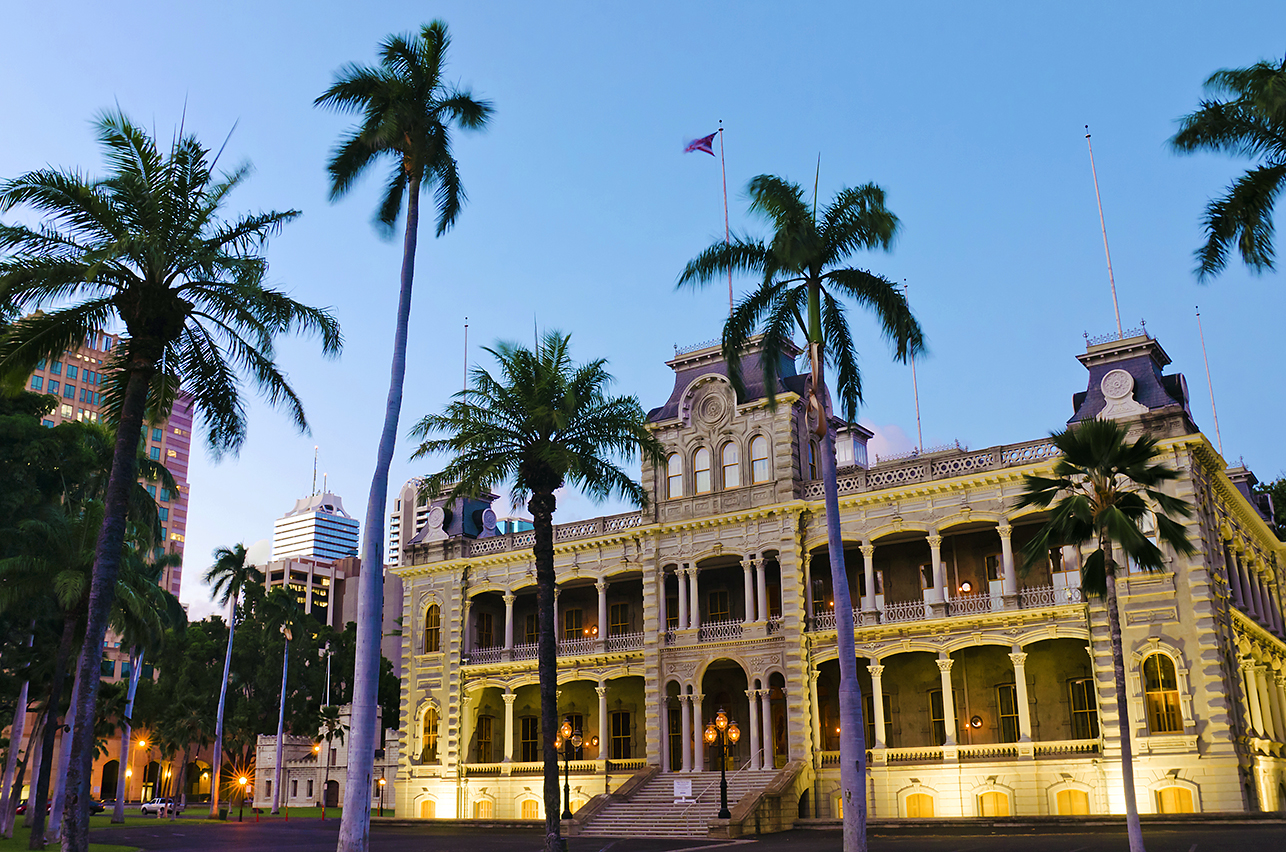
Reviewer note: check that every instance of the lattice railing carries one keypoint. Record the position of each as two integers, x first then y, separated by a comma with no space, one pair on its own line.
1049,596
632,764
956,465
524,652
825,621
562,532
668,637
483,656
897,476
576,647
971,604
774,625
905,611
718,631
1032,451
495,544
625,642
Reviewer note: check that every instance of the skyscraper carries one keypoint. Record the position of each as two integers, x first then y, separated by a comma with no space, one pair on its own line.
318,526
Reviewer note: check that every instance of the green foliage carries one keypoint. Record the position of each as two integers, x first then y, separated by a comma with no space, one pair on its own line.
1276,491
1244,115
1103,489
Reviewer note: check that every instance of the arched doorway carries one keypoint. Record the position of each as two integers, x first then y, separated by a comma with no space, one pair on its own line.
197,781
151,779
332,793
723,687
107,781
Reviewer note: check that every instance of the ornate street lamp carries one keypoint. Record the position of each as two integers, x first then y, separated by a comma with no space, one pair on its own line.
565,743
242,805
723,733
381,797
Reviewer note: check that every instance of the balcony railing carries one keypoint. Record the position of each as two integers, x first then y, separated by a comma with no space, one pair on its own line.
483,656
562,532
577,647
973,604
625,642
903,611
524,652
719,631
577,767
1049,596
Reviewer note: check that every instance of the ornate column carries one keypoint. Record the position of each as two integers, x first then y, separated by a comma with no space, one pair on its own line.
1243,577
1008,575
1251,686
694,599
1019,659
761,584
1267,707
680,575
466,640
813,675
765,720
510,597
749,589
810,606
601,585
604,729
870,613
1279,683
756,744
558,619
948,698
665,734
685,732
939,595
509,697
698,738
877,703
1234,578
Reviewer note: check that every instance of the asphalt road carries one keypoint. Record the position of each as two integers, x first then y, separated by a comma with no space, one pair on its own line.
314,836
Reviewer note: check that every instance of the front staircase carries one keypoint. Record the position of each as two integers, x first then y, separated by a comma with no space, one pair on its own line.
651,810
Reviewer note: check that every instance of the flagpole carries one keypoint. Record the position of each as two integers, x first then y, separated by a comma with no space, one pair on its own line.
915,386
1102,224
727,232
1209,384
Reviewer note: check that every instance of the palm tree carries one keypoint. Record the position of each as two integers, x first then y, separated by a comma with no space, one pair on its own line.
332,729
1245,115
146,247
544,423
1102,489
802,285
229,573
407,114
283,613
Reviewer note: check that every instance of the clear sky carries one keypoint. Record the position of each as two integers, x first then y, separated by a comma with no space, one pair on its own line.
582,209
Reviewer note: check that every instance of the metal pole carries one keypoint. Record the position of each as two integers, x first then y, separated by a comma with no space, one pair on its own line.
915,387
1209,384
1102,224
724,813
567,782
727,231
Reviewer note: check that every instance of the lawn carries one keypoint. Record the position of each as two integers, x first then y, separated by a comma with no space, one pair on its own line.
197,814
21,836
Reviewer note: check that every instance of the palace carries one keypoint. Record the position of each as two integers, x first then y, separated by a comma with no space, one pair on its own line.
988,691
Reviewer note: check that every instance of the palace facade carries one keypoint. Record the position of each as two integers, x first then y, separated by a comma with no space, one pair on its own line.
988,691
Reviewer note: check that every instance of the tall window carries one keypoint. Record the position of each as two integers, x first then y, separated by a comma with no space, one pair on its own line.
1161,691
701,471
484,809
529,728
1007,702
578,724
620,736
718,603
486,637
571,624
484,739
674,476
530,631
730,461
433,630
1174,800
993,804
869,718
812,459
937,718
1084,711
759,471
429,736
618,619
1073,802
672,611
992,561
676,737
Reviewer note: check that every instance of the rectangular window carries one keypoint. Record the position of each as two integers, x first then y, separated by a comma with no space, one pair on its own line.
571,624
486,638
125,669
40,365
310,789
108,668
151,489
163,514
66,410
774,600
56,368
69,391
869,719
484,739
938,719
1007,704
53,387
156,434
294,788
164,495
717,601
529,730
71,371
531,631
267,789
37,383
993,566
154,453
620,736
926,576
676,737
672,612
618,619
1084,709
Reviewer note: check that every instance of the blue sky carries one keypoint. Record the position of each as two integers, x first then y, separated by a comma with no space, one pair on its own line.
582,208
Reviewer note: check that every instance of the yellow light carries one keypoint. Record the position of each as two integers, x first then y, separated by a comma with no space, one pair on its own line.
381,782
566,729
205,775
734,733
711,734
129,773
142,743
242,780
316,748
721,720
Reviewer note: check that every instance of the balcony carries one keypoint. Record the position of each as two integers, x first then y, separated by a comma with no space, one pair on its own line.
972,752
536,767
1039,597
567,648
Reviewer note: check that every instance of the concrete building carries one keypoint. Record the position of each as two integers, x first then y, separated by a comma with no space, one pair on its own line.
320,586
987,691
411,513
317,527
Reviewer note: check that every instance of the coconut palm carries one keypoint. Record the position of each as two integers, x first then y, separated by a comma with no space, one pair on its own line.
541,424
283,613
1102,490
1245,115
407,110
802,284
227,576
146,247
332,729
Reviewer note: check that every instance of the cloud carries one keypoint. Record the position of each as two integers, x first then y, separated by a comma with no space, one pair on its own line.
889,440
195,592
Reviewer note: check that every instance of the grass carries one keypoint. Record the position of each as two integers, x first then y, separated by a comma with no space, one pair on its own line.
21,836
195,814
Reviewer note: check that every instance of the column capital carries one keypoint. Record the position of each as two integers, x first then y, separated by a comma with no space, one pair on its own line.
601,584
813,675
1005,530
601,690
868,550
876,670
557,591
509,697
1018,658
935,540
509,598
945,665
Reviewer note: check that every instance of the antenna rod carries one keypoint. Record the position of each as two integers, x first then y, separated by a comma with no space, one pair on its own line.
727,232
1209,384
915,386
324,483
465,386
1102,224
315,469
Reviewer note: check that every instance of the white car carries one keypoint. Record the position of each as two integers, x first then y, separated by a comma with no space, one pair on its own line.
157,805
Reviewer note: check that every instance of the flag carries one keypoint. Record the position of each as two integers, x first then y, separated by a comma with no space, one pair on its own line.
705,143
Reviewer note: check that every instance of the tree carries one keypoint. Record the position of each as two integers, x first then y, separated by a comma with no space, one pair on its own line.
802,285
408,111
332,729
1244,115
283,614
227,576
145,246
544,423
1275,491
1102,489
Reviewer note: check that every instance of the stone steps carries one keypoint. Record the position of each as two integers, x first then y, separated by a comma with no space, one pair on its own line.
652,811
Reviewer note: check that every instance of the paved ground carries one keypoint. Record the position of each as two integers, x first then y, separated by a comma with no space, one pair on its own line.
314,836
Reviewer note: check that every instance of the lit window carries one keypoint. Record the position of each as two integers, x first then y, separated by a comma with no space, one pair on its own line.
1174,800
1073,802
530,809
1161,691
1084,710
432,630
529,731
1007,701
701,470
759,471
171,454
993,804
38,382
175,537
178,431
919,806
674,476
429,736
484,739
484,809
730,461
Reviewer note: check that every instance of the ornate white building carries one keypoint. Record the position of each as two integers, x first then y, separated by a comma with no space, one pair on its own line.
987,691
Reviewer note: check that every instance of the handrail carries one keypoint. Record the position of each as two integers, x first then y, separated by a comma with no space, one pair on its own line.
697,798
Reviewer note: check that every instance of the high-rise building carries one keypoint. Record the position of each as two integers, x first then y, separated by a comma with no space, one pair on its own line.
77,379
411,513
317,527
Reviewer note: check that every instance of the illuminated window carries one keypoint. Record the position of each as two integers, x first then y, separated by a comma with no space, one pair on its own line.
484,738
428,809
993,804
1174,800
674,476
571,624
620,736
171,454
701,471
484,809
1073,802
1161,691
530,809
432,630
919,805
730,460
759,471
1084,709
1007,702
529,732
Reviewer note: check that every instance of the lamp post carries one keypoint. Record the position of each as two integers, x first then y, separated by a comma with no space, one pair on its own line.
241,806
723,733
381,797
566,742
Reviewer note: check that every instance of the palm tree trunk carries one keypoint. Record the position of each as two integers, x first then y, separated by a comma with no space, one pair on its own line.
281,725
58,796
102,591
1133,829
181,785
217,757
355,822
11,760
13,803
326,781
34,756
40,793
542,519
136,662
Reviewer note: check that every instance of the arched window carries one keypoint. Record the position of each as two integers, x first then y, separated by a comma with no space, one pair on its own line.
433,630
674,476
919,806
1161,692
730,461
428,809
1072,802
759,471
701,471
530,809
812,459
1174,800
993,804
429,736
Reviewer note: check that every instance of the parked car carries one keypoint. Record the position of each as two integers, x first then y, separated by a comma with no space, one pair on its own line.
22,807
97,807
157,805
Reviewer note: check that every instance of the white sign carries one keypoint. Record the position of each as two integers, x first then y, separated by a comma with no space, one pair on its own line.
683,790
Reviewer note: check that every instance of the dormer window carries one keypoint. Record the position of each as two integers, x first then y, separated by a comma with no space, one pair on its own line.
674,476
701,471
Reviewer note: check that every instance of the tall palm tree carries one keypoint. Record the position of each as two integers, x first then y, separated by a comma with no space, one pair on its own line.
802,283
332,729
542,424
1102,489
407,111
227,576
1245,115
283,613
145,247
